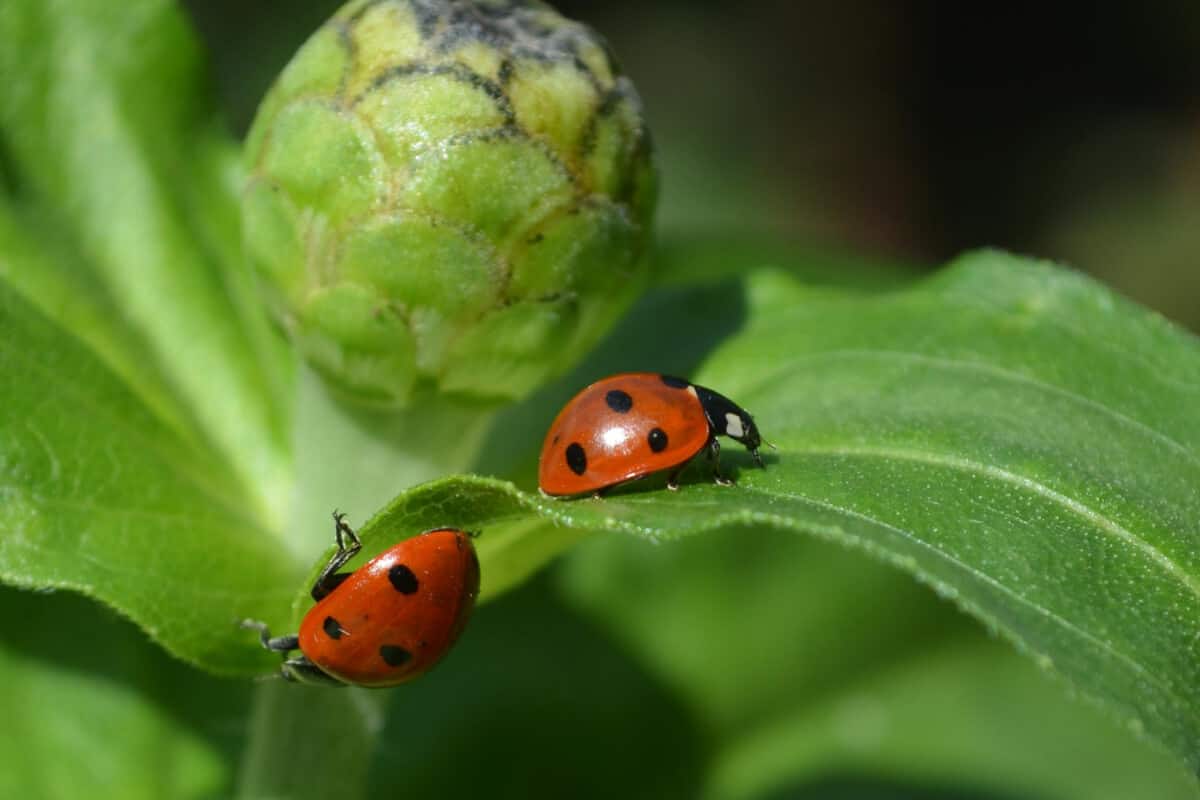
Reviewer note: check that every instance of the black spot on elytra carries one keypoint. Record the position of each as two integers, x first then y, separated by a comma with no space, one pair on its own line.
576,458
675,383
394,655
403,580
618,401
333,629
657,440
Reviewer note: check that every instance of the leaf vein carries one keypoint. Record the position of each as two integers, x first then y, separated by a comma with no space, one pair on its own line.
1097,519
974,572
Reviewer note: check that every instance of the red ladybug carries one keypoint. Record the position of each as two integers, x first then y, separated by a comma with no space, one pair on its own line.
630,425
388,621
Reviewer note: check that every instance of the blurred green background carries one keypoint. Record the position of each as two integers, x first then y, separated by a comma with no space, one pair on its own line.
756,664
914,130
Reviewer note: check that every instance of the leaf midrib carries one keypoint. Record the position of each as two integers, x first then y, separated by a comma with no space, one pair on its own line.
1023,482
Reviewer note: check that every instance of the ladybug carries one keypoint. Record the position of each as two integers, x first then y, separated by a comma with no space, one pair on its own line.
630,425
390,620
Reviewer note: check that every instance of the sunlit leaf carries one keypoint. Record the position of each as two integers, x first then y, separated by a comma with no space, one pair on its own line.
101,497
1012,434
120,222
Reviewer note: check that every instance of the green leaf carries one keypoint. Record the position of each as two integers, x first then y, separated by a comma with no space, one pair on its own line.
966,714
91,708
132,221
1010,433
103,498
802,660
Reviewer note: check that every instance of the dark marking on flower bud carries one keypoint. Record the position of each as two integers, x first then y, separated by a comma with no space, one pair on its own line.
361,11
346,40
514,131
584,70
428,16
456,71
609,103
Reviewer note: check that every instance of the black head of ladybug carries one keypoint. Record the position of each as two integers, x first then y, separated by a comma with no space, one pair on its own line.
727,418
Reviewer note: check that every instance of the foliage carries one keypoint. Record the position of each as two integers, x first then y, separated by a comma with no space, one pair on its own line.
1011,434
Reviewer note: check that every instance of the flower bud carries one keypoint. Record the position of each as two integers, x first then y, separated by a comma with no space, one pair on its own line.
448,192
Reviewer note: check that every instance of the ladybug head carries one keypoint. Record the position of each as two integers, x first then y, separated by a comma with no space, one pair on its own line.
727,418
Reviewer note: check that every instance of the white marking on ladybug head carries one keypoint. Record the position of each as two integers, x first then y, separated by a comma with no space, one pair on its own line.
733,425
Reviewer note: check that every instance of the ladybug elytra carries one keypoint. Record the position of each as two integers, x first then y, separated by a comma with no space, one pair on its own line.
630,425
390,620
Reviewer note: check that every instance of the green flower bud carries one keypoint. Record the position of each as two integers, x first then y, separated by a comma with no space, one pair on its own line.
448,192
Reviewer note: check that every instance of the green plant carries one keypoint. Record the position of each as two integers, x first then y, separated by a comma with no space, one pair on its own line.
1008,432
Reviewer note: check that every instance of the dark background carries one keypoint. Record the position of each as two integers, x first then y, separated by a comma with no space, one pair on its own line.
911,131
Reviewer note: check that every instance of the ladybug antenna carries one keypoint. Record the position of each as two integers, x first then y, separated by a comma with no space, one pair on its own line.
473,534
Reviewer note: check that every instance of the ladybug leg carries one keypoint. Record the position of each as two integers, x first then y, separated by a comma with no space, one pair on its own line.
301,670
348,545
673,479
294,670
279,644
713,453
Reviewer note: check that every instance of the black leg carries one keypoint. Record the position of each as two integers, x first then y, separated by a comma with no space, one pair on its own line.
280,644
348,546
714,459
301,670
757,458
673,478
